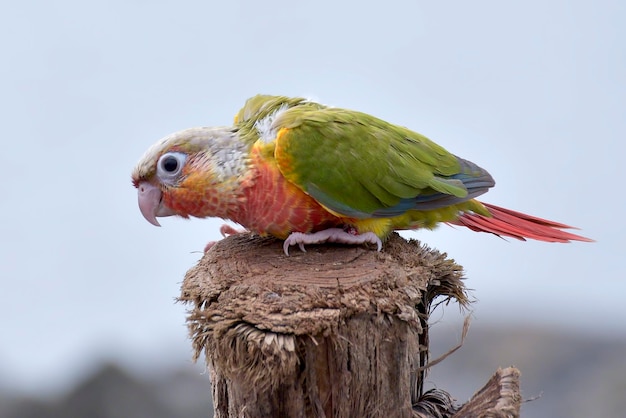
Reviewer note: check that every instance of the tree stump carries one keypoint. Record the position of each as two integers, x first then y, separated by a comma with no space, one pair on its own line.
338,331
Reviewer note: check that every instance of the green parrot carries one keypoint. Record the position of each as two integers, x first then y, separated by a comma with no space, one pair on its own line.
309,173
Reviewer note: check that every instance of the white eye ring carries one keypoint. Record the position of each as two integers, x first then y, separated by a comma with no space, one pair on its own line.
170,165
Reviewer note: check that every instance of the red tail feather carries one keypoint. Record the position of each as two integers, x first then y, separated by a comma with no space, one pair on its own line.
509,223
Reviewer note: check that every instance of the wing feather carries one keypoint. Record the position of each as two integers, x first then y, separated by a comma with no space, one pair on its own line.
361,166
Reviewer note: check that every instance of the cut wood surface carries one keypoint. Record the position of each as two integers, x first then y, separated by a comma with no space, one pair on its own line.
338,331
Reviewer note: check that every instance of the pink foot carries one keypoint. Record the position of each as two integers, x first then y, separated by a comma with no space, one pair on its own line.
225,230
330,235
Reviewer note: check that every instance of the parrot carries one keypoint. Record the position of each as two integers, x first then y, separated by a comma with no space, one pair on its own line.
309,173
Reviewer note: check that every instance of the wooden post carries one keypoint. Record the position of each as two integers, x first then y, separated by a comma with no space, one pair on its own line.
338,331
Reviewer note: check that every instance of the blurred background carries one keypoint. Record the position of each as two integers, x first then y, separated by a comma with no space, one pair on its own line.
532,91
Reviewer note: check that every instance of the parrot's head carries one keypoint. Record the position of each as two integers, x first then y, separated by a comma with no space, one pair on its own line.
194,172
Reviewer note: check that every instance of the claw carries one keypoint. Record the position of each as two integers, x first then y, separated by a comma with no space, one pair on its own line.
330,235
209,245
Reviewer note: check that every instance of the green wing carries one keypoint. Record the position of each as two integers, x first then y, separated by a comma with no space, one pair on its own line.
361,166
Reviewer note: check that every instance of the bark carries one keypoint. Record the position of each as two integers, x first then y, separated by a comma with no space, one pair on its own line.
338,331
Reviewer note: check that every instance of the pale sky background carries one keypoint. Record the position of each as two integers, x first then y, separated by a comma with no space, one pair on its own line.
533,91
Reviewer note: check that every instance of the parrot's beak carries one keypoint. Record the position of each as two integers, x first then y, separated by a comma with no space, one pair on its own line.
150,203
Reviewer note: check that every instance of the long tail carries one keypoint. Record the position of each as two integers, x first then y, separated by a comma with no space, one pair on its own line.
509,223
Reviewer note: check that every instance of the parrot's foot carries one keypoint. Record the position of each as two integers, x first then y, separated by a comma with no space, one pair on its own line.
330,235
226,230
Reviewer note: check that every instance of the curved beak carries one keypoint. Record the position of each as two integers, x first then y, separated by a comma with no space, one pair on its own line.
150,203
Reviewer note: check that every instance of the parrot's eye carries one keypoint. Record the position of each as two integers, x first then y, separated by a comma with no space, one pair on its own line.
170,165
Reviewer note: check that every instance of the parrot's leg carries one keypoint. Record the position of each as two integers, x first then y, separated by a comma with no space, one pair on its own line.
225,230
330,235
